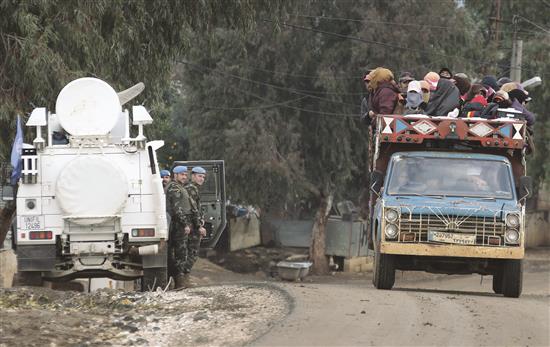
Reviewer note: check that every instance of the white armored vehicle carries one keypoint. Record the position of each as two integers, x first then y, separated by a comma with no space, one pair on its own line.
90,201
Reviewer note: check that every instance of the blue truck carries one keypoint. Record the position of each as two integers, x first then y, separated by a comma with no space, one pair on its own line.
448,196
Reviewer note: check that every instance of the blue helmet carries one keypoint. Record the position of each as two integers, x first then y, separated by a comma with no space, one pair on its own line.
164,173
198,170
179,169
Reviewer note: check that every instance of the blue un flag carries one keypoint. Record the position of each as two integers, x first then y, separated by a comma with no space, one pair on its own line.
16,151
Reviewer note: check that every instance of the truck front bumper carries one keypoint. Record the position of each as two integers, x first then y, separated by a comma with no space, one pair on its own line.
427,249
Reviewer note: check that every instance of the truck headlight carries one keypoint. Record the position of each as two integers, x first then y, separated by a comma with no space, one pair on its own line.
511,236
391,231
512,220
391,215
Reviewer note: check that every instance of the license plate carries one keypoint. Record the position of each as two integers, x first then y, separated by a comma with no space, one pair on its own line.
439,236
32,223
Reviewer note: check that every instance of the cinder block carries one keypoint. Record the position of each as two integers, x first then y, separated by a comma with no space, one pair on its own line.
354,264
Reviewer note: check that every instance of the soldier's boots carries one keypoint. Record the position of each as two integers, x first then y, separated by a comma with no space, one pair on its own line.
183,281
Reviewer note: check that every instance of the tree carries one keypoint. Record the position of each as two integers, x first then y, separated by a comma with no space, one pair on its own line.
282,106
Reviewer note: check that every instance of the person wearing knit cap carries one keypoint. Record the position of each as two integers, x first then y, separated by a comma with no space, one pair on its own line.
432,78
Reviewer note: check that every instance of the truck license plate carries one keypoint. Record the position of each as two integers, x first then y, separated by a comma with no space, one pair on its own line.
32,223
439,236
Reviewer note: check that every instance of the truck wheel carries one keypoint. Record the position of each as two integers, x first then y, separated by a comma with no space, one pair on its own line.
384,269
154,278
497,281
28,278
512,278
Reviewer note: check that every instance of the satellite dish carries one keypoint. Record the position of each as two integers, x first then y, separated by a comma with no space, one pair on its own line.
88,106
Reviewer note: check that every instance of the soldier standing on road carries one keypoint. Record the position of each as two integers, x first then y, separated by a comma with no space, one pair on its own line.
198,175
165,176
179,208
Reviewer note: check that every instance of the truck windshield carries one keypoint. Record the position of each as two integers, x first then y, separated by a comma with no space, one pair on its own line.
450,177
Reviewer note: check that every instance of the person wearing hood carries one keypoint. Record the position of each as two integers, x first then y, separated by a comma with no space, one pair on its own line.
384,94
365,101
475,102
445,73
425,87
491,84
414,101
462,82
444,99
519,99
500,100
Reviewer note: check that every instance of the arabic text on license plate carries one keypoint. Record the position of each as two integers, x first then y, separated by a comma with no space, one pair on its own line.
440,236
32,222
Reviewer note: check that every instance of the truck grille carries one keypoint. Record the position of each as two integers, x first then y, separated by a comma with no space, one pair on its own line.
489,231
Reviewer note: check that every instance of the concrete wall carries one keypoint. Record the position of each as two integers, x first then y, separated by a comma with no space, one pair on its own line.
244,232
537,229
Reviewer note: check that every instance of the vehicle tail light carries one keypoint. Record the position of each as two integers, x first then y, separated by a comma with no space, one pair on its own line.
40,235
143,232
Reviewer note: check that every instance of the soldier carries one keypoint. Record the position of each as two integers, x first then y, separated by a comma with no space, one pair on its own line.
179,208
198,175
165,176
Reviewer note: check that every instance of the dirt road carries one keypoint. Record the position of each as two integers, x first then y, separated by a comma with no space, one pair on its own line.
421,310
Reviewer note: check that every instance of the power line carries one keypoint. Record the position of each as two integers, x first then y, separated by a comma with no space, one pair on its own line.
383,44
255,107
293,91
281,104
447,27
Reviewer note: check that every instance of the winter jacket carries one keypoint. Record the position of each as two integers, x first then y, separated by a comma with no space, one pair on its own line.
529,116
383,100
444,99
474,107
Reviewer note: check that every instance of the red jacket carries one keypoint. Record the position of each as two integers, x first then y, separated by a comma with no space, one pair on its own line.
384,99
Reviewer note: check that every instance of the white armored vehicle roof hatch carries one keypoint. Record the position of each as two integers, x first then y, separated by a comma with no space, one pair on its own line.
90,201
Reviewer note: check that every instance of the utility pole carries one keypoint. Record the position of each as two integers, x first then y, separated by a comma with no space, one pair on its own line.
517,53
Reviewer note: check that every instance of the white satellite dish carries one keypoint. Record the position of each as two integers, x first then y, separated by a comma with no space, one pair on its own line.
88,106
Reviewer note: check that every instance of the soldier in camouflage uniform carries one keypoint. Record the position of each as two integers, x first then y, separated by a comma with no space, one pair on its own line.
179,208
198,175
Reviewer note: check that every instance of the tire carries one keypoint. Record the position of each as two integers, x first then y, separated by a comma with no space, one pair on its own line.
28,278
384,269
154,278
512,278
497,281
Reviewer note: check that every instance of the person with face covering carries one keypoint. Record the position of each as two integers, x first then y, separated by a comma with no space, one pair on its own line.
444,99
425,87
500,100
383,92
414,101
519,99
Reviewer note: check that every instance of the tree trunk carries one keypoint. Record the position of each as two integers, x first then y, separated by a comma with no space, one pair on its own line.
6,217
317,248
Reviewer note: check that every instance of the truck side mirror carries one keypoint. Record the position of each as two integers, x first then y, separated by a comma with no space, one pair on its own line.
8,193
376,179
525,187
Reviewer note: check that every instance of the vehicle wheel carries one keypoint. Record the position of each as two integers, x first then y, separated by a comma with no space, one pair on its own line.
28,278
154,278
384,269
497,281
512,278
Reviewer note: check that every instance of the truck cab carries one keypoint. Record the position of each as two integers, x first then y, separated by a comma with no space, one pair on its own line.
449,197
